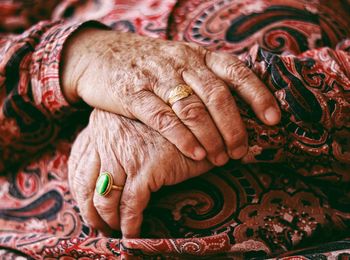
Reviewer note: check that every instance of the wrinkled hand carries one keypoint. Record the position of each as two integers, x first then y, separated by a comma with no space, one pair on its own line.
131,75
137,157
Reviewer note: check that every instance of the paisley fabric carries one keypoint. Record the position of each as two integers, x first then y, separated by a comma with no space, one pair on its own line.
289,198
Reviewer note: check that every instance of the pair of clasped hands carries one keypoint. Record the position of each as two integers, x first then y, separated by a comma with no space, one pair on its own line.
135,135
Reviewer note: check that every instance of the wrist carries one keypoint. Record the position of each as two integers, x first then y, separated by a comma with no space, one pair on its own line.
76,57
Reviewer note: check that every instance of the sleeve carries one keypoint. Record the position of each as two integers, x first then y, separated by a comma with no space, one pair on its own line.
33,109
313,91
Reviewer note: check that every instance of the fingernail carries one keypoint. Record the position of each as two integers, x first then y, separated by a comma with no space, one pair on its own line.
199,153
221,159
239,152
272,115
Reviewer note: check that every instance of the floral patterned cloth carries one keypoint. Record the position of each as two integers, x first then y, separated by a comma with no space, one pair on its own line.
291,195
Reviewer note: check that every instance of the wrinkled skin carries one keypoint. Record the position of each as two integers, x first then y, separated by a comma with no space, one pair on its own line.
137,157
132,75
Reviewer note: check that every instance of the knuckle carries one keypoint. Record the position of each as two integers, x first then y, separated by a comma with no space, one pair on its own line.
209,81
192,112
139,97
127,209
129,213
163,120
129,203
219,95
238,72
103,207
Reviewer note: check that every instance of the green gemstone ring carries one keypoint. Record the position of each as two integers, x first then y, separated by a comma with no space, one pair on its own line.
105,184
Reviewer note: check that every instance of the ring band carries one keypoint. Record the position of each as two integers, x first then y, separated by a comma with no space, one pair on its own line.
104,184
179,92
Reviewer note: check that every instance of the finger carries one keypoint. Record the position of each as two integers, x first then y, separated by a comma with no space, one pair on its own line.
134,200
196,117
108,206
152,111
193,114
217,98
247,85
84,183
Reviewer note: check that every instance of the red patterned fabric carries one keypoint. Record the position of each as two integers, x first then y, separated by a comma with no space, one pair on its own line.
295,195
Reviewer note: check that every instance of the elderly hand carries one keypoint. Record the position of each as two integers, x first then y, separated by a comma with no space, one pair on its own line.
137,157
133,76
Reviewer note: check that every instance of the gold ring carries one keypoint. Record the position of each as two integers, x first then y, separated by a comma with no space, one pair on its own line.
179,92
104,184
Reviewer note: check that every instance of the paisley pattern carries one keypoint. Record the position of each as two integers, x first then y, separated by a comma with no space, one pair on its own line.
277,26
289,198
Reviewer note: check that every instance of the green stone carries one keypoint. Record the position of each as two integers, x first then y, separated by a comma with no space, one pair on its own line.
102,183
